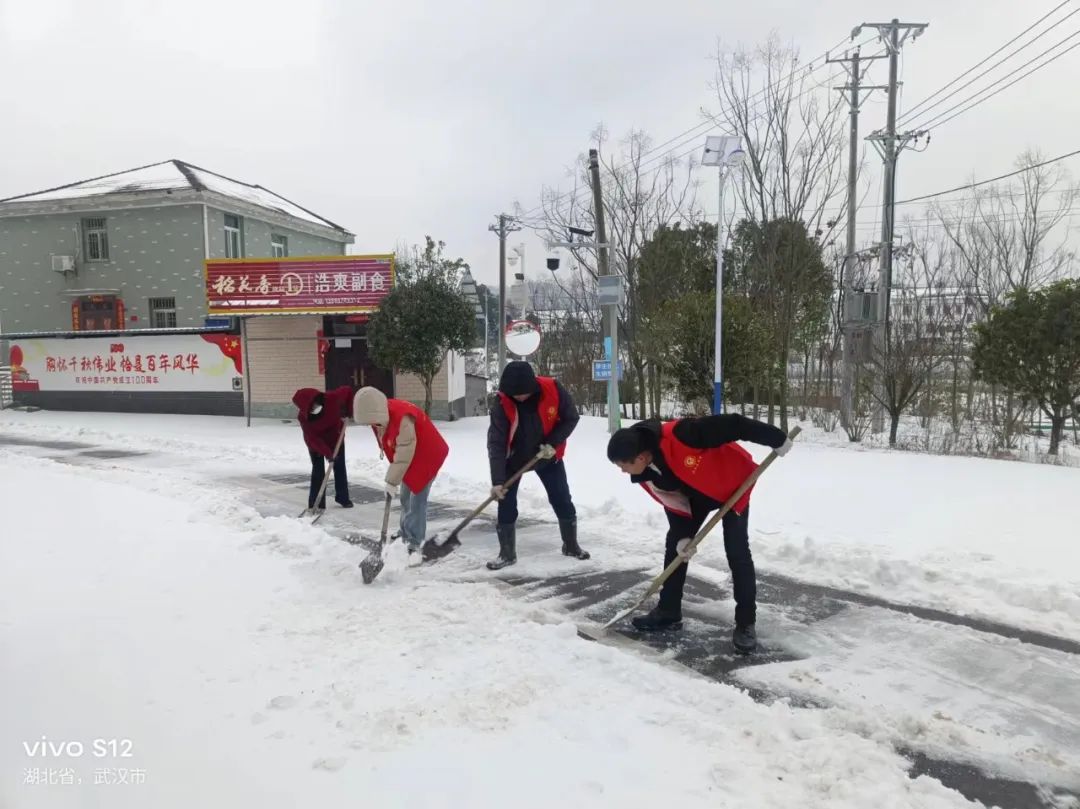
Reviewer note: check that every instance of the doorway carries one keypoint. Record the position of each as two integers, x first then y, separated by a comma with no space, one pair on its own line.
98,313
348,361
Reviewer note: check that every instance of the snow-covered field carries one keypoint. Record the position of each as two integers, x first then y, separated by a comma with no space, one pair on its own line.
147,600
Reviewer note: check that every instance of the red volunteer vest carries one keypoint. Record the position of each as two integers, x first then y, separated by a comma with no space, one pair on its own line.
548,410
715,472
431,448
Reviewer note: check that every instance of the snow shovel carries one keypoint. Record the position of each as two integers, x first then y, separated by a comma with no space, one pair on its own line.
433,550
326,480
372,566
658,582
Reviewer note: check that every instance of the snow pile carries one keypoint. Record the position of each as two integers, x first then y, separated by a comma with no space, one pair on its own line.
246,665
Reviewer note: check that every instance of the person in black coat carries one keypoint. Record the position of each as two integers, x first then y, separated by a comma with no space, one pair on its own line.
534,415
691,466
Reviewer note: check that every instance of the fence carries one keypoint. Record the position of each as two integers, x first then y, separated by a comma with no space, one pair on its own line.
7,395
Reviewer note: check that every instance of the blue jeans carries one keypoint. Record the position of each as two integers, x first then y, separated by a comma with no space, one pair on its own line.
414,515
553,476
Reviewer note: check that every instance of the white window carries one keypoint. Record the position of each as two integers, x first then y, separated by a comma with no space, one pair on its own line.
97,239
279,246
234,243
163,313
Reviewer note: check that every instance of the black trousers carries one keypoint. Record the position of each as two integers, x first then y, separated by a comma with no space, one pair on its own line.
553,476
737,546
318,472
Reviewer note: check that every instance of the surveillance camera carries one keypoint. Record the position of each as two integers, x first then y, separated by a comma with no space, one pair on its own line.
553,264
580,232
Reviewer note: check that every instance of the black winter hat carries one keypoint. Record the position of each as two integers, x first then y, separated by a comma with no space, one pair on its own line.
517,379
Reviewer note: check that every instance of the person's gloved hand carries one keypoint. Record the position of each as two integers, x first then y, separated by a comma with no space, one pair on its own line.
498,492
784,448
547,452
392,489
681,549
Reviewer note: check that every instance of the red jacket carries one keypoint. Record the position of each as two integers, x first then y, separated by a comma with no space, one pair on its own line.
715,472
548,409
431,448
321,432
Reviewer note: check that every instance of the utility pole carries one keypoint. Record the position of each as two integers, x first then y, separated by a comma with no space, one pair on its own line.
505,225
611,312
852,91
889,145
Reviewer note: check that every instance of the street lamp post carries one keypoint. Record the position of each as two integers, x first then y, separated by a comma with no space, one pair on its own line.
724,152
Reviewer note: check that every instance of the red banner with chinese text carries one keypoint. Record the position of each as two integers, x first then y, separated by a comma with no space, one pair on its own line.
292,285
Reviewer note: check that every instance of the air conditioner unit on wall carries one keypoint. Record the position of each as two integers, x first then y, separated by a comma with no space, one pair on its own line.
63,264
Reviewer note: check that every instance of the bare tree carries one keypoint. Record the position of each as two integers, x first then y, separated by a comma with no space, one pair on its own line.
642,190
567,314
792,131
1007,237
917,338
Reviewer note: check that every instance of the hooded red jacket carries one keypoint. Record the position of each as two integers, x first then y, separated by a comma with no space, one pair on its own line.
321,432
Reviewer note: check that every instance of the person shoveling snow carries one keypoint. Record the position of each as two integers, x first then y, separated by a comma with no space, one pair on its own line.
691,466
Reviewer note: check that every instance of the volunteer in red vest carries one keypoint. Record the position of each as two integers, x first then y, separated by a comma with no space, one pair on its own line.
534,415
321,417
691,466
416,451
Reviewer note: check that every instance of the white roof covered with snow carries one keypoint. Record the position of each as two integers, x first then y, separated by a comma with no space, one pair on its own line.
174,175
159,177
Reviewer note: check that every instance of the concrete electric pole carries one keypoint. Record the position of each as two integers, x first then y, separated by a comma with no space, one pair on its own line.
853,90
505,225
889,145
611,312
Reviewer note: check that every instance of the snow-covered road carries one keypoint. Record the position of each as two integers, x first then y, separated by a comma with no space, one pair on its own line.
171,598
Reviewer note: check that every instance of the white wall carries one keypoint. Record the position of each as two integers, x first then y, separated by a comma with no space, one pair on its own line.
455,371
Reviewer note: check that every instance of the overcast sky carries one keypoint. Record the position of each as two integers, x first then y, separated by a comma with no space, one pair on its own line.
399,118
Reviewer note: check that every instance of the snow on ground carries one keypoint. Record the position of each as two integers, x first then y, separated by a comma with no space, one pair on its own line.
994,539
951,692
248,666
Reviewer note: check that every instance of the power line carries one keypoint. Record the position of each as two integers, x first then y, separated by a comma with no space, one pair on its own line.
645,172
939,121
1013,195
660,159
934,222
656,164
991,179
911,112
760,96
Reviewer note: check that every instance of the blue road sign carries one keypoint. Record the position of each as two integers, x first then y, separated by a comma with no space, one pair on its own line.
601,371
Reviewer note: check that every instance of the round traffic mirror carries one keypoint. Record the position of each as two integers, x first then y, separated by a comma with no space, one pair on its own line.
522,338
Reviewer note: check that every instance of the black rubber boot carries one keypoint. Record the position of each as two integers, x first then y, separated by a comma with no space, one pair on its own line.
507,547
657,621
744,638
568,531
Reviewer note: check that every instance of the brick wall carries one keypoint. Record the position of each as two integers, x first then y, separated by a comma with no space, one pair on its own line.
278,367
